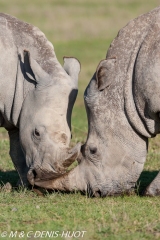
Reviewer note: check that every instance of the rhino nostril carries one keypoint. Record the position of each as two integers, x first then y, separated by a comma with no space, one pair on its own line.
97,193
82,148
34,173
31,176
100,193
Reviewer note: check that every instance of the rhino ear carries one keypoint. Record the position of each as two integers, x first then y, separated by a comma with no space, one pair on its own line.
72,67
32,69
104,72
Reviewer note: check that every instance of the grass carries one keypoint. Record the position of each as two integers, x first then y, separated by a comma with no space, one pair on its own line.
108,218
83,29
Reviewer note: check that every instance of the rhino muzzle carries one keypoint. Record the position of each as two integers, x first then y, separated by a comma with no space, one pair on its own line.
55,170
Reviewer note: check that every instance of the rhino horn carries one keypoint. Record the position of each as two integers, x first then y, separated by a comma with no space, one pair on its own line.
72,155
60,167
67,182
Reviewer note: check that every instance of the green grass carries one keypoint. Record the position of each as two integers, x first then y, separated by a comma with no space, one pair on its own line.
83,29
108,218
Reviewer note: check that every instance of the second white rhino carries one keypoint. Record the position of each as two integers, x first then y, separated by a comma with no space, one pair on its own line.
123,107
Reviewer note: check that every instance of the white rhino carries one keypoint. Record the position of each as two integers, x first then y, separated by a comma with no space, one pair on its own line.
123,107
36,99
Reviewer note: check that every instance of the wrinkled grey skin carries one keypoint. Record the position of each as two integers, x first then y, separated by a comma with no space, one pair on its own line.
36,99
123,107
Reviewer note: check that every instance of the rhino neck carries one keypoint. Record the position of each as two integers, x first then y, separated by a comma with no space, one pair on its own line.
22,87
126,47
129,103
13,92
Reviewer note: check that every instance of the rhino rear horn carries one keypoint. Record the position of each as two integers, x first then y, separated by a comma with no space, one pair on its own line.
104,72
72,67
72,155
32,69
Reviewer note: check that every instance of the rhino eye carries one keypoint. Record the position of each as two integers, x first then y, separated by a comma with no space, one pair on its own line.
37,133
93,150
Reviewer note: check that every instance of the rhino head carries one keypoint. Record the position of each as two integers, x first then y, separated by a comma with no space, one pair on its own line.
45,120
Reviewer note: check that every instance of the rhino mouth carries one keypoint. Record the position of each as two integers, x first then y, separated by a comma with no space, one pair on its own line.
51,171
35,175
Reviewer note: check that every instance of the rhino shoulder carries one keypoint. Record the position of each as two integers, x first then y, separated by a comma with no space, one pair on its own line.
133,34
26,36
